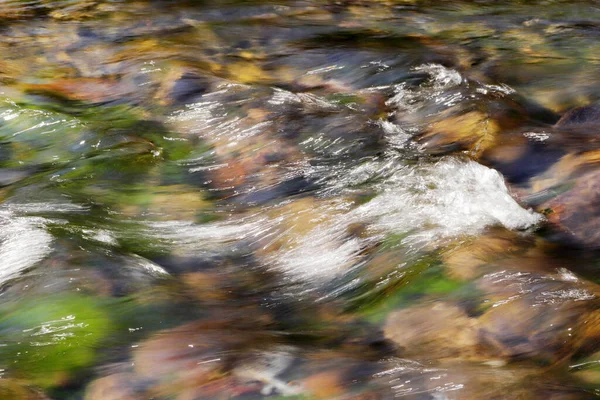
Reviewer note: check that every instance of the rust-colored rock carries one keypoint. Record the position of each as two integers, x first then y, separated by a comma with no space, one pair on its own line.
576,212
325,385
467,260
93,90
473,131
433,331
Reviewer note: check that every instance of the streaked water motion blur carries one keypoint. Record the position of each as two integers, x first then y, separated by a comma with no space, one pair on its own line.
299,199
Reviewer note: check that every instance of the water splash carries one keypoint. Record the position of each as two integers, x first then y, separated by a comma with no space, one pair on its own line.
445,199
429,204
23,243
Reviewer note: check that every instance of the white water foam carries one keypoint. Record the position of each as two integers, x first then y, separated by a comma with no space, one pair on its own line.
323,253
441,80
449,198
430,204
187,238
24,242
24,239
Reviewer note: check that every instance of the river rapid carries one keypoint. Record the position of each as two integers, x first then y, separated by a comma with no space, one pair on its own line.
299,199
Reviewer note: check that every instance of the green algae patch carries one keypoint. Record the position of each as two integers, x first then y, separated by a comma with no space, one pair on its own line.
48,340
425,278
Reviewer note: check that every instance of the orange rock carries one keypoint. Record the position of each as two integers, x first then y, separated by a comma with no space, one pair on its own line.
466,260
206,285
325,385
93,90
247,72
433,331
473,131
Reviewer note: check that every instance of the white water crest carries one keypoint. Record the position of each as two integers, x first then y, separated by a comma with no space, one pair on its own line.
187,238
429,204
24,238
436,90
449,198
426,203
24,242
323,253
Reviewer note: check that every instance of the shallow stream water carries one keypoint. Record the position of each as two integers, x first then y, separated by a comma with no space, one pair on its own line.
299,199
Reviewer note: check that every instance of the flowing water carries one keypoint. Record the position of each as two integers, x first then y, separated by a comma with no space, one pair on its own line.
299,199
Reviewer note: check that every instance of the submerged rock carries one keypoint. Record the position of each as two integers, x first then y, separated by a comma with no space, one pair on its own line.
537,317
199,361
468,259
92,90
433,331
452,380
567,193
576,212
183,86
17,390
520,160
8,176
557,171
200,355
473,131
581,118
114,387
49,342
526,316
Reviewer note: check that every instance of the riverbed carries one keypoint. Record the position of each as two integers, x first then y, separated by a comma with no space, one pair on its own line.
299,199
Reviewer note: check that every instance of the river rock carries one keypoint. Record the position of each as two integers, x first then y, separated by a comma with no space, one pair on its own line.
520,160
473,131
558,172
201,354
433,331
576,212
17,390
8,176
582,118
526,316
468,259
92,90
536,317
565,191
167,202
114,387
586,369
256,172
182,86
452,380
325,385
